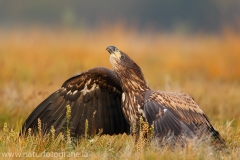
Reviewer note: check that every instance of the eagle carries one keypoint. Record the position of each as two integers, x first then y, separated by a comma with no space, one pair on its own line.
113,101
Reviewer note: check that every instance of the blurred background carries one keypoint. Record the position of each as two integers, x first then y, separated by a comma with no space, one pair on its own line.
184,46
211,16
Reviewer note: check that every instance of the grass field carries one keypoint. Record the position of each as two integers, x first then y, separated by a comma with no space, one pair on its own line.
34,62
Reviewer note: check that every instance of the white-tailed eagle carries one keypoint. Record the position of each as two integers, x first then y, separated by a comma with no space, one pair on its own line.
114,101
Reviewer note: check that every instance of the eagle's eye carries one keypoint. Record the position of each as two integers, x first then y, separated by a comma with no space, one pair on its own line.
122,57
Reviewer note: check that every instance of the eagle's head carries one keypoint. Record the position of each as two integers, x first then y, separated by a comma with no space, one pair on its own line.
124,66
120,61
118,58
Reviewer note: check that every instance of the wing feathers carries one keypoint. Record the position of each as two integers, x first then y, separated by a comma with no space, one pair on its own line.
165,121
93,95
176,113
105,111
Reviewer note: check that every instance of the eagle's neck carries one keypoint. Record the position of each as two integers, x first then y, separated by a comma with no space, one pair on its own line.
132,81
134,88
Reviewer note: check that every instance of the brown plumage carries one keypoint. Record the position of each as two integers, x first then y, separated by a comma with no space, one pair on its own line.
112,101
175,115
94,95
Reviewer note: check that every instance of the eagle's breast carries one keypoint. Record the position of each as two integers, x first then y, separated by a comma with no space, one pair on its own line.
132,105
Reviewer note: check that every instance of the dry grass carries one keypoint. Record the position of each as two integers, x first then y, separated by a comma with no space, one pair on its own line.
34,62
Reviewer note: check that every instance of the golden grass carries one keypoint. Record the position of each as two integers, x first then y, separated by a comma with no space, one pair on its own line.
34,62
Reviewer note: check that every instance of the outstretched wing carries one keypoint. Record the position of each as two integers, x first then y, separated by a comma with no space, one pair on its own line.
94,95
178,114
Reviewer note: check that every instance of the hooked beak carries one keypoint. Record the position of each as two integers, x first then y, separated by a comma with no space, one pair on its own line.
112,49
